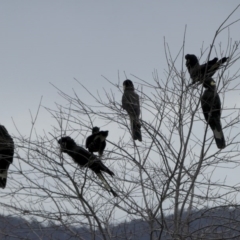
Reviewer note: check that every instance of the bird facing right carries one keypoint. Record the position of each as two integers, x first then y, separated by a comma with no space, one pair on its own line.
85,159
211,106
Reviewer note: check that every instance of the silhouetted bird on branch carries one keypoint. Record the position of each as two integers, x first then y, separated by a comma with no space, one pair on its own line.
85,159
199,73
97,141
211,106
6,154
130,102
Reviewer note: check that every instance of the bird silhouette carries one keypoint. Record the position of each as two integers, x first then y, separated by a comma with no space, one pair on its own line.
211,106
96,142
6,154
85,159
199,73
130,102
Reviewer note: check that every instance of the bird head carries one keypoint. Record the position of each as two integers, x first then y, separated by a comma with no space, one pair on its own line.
128,84
95,130
66,143
191,60
104,133
223,60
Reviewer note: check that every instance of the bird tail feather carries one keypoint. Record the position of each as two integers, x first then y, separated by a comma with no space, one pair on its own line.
105,183
219,138
96,163
108,171
3,179
218,134
136,130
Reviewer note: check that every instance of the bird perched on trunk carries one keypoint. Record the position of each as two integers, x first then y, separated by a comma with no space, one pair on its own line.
211,106
199,73
85,159
6,154
130,102
97,141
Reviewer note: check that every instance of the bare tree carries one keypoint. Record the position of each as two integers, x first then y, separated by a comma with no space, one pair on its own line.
170,180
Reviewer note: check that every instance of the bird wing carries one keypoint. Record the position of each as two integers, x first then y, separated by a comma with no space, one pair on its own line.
106,184
208,68
211,104
130,102
102,147
93,142
79,155
85,159
87,141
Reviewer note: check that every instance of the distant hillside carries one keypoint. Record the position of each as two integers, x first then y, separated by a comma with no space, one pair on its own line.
219,223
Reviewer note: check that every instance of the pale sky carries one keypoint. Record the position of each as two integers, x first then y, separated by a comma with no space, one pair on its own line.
45,42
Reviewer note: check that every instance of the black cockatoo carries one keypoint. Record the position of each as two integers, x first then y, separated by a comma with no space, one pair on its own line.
85,159
6,154
211,106
130,102
97,141
199,73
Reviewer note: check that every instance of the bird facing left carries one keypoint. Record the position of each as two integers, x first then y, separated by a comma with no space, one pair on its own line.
86,159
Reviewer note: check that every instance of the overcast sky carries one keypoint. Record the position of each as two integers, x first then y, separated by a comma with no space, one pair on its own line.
45,42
